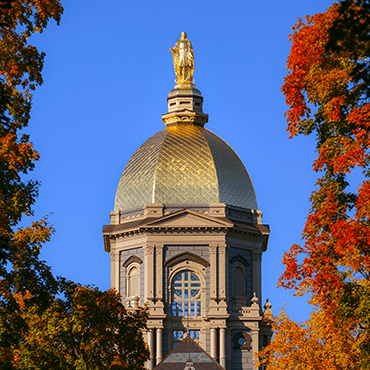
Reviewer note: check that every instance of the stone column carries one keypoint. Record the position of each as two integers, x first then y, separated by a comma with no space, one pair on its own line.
222,348
151,348
159,273
213,272
214,343
159,345
255,342
222,271
203,337
114,270
148,273
257,258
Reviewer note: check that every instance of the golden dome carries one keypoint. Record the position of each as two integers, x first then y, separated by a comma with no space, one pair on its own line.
187,164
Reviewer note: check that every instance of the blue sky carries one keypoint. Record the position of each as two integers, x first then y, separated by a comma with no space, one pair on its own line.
107,74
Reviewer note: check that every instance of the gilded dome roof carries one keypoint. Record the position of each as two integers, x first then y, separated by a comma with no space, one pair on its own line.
185,163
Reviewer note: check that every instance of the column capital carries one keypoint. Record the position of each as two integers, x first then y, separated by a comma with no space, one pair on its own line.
257,256
114,256
212,249
222,249
148,249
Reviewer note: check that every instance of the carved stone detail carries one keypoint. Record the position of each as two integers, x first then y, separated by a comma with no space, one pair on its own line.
221,249
148,249
131,260
242,341
114,256
186,256
257,257
185,119
212,249
240,259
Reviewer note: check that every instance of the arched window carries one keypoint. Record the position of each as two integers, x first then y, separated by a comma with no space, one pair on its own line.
133,281
239,281
186,294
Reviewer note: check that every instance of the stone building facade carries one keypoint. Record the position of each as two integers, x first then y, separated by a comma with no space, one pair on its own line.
186,238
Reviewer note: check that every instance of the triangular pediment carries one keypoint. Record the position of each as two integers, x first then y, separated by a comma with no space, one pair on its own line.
189,219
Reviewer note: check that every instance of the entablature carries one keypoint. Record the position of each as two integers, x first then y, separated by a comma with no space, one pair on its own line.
157,219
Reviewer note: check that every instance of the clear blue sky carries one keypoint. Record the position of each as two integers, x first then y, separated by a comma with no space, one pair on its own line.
107,74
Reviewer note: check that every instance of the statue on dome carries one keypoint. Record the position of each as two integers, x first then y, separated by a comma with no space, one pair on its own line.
183,60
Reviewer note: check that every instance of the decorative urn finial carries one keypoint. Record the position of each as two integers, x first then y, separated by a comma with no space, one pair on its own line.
183,62
254,299
268,315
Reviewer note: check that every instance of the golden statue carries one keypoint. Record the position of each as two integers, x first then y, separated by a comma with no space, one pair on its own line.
183,60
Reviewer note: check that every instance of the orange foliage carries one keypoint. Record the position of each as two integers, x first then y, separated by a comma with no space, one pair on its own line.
328,94
317,344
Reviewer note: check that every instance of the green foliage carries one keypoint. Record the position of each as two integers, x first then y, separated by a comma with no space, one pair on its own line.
88,329
351,33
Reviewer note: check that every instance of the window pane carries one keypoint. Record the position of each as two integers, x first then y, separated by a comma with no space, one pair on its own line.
133,282
177,334
188,302
194,334
178,292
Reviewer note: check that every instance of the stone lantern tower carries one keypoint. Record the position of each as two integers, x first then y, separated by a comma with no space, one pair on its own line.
186,236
